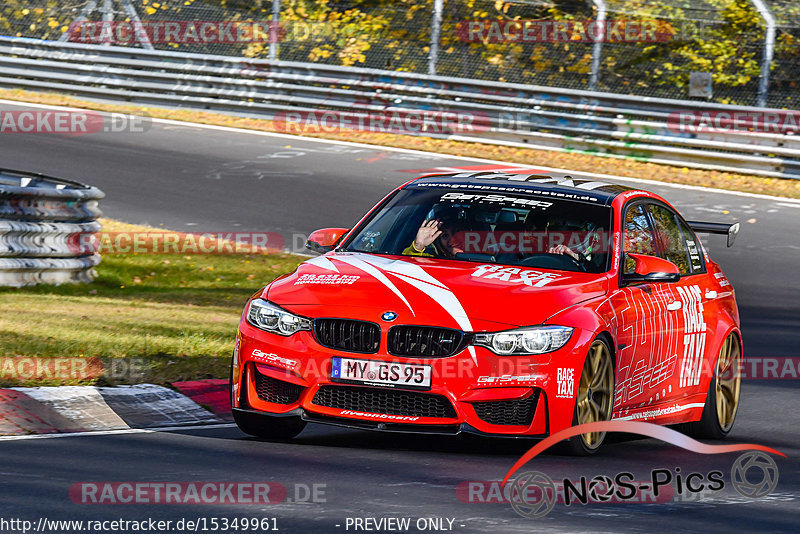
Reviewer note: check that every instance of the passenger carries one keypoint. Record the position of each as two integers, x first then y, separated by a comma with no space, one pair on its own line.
438,238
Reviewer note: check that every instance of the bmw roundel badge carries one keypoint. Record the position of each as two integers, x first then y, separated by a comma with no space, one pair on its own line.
389,316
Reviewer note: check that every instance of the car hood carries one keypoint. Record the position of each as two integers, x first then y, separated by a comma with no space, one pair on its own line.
455,294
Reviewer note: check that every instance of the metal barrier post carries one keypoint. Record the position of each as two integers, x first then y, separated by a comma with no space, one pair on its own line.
436,32
273,30
108,21
769,52
597,49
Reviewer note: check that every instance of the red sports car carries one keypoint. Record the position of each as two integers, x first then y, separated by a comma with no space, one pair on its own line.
499,304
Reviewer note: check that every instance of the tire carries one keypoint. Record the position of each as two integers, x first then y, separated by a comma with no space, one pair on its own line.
268,427
722,401
595,400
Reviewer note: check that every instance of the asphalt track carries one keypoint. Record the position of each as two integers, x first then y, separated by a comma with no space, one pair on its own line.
189,178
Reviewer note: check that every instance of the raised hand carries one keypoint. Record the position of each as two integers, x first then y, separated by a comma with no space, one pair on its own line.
427,234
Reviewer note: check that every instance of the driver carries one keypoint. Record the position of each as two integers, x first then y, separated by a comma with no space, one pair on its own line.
438,237
582,251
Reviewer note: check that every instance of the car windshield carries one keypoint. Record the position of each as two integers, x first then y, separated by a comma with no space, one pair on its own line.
504,228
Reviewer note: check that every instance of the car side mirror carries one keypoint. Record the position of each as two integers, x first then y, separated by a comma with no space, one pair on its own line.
651,269
325,240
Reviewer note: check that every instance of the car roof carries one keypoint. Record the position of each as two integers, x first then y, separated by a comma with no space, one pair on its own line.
564,186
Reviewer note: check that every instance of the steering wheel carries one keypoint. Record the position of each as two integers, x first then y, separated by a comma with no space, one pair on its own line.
554,261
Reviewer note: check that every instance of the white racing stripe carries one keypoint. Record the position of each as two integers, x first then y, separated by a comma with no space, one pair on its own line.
323,262
413,275
370,269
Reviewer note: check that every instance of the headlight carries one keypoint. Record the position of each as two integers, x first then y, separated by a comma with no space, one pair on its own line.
529,340
271,318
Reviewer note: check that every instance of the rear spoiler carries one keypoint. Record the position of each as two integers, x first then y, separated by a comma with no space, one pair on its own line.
730,230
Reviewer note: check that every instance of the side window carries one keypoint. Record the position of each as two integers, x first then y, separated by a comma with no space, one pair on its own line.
637,237
671,238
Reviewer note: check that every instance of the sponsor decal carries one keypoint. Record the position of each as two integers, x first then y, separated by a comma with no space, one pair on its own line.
495,199
506,380
694,253
351,413
565,380
327,279
507,189
273,359
515,275
658,412
722,280
694,339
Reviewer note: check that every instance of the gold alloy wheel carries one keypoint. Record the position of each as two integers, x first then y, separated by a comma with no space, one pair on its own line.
728,382
596,392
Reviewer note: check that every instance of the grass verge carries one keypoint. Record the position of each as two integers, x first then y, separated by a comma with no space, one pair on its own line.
564,160
154,318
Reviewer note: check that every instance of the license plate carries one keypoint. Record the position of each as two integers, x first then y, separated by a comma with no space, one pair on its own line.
376,373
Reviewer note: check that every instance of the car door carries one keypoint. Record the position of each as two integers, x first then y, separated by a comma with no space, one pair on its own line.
646,323
693,302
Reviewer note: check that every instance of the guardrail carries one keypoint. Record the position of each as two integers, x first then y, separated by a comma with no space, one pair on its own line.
604,124
46,230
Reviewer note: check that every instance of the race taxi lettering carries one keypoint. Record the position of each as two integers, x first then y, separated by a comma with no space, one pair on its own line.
328,279
694,339
273,359
565,380
514,275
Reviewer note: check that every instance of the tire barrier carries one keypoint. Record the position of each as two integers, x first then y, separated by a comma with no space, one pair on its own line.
47,228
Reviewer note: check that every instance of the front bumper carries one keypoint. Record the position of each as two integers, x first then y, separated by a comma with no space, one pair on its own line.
473,391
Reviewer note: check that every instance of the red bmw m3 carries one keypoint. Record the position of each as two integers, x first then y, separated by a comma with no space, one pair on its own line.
498,304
